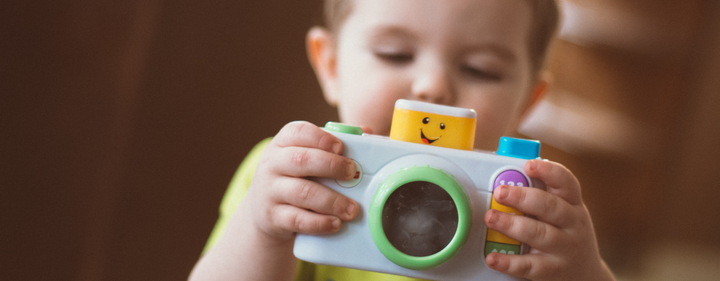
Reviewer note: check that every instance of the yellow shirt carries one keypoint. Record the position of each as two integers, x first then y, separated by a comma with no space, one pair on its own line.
306,271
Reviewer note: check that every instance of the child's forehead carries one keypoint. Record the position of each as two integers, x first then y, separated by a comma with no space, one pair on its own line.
474,21
433,12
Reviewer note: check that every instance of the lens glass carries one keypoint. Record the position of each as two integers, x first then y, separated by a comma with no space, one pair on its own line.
419,218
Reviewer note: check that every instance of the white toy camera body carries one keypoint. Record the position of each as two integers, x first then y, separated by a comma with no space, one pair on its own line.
423,193
422,208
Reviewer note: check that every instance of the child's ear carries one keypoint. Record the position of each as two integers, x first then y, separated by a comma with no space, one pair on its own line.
323,57
541,87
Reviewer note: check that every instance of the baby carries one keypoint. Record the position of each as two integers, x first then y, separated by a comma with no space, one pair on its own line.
479,54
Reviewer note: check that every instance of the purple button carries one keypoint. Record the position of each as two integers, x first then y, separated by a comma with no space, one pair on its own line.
510,177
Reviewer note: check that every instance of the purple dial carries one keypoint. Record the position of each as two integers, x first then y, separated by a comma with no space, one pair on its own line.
510,177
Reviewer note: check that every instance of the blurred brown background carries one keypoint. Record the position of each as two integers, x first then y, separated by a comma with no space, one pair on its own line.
123,121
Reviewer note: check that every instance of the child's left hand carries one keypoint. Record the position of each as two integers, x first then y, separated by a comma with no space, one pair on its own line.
562,238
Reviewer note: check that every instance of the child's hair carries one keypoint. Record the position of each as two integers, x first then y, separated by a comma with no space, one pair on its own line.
545,17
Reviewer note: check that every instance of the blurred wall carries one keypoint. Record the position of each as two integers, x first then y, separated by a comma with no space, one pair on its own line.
123,121
636,92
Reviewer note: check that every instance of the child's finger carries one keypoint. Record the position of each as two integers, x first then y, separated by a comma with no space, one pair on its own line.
294,219
537,234
366,129
531,266
303,162
545,206
305,134
311,195
558,179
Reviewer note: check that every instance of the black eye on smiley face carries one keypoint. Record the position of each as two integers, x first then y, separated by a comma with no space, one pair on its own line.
427,120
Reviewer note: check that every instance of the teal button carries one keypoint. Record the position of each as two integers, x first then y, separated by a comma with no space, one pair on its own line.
343,128
519,148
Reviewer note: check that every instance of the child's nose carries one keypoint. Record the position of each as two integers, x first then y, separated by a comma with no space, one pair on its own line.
434,87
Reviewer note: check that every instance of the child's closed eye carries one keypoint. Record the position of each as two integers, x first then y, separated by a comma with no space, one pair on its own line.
394,56
480,73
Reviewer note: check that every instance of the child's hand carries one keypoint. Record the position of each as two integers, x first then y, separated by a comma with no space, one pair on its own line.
258,241
562,238
282,201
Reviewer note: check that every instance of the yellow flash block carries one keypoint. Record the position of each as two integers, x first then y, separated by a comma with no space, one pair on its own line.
433,124
498,237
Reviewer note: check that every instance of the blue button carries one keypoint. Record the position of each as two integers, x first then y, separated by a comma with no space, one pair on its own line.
519,148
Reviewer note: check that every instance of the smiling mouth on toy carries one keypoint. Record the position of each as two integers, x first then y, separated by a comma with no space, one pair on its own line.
425,139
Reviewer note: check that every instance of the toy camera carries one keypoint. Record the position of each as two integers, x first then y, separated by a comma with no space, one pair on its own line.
423,193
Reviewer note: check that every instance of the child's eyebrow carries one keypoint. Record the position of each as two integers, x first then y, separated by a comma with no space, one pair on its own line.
504,53
383,31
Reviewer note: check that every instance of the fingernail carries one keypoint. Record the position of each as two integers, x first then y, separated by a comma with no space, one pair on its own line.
503,192
491,261
336,148
336,223
532,165
350,210
493,217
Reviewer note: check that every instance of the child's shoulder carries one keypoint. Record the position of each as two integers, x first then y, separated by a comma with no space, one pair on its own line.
243,177
236,190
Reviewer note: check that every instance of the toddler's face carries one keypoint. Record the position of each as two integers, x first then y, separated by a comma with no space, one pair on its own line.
466,53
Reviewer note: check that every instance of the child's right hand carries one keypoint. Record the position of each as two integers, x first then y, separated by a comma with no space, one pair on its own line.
281,198
281,201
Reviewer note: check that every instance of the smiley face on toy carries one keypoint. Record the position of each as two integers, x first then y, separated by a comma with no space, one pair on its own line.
424,138
433,124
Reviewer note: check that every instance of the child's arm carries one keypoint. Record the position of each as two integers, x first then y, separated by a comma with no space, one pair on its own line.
258,241
562,239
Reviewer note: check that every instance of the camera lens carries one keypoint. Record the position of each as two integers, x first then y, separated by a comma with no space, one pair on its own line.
420,218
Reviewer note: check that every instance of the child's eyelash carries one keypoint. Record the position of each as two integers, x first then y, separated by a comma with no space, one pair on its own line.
395,57
479,73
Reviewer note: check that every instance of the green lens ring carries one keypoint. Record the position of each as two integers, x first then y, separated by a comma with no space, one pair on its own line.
413,174
343,128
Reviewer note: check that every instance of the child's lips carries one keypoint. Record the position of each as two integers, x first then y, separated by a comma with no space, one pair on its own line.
425,139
